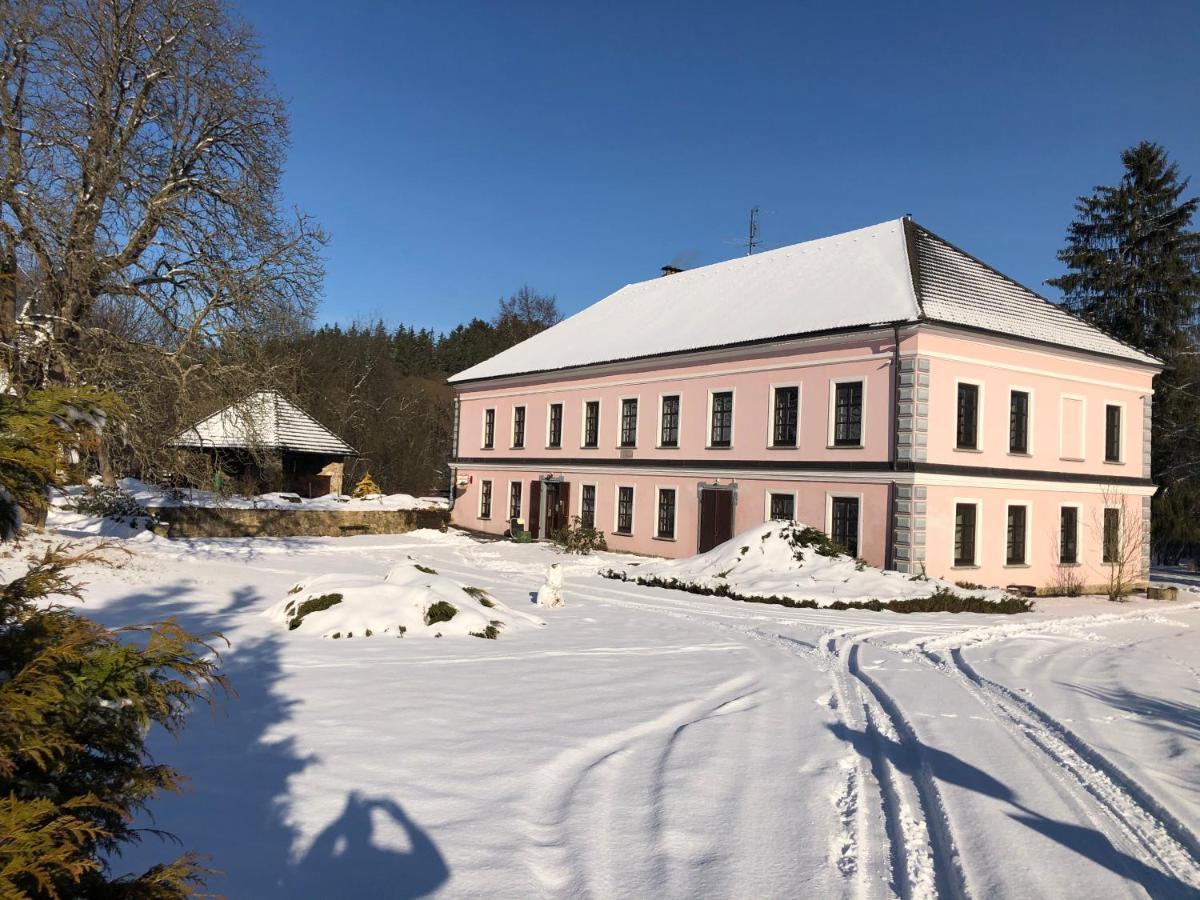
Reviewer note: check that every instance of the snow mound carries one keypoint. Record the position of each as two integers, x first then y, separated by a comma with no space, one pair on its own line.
152,497
790,560
410,601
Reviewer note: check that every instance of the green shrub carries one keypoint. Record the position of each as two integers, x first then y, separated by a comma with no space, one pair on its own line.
524,538
490,633
440,612
297,589
311,605
579,538
368,633
481,595
400,629
111,503
425,569
809,538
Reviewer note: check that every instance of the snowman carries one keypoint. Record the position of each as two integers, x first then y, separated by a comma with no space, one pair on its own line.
550,593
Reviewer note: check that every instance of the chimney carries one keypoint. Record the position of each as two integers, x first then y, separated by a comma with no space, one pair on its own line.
670,270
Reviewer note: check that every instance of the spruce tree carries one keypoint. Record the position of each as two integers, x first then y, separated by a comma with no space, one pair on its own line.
1133,265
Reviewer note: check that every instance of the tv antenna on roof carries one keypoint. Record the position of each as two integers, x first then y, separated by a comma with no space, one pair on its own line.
752,240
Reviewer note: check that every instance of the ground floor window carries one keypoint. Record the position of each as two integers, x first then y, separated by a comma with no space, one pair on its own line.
1068,538
514,500
587,506
1112,535
624,510
965,518
783,506
666,513
843,526
485,499
1017,520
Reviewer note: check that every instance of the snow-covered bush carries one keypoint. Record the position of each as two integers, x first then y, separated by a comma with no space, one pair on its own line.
579,538
110,503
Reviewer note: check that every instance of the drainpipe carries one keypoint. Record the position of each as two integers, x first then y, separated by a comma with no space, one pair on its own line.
893,450
453,456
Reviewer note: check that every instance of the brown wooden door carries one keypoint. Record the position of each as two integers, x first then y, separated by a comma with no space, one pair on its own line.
716,518
535,508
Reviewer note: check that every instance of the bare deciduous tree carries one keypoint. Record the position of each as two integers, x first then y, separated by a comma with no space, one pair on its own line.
1123,534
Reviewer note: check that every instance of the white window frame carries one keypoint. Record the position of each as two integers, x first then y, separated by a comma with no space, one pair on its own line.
637,425
1029,425
1078,507
479,506
579,507
978,504
1120,460
795,500
771,388
583,405
617,510
549,405
520,506
1082,427
512,427
708,420
674,516
829,498
1028,506
658,444
832,415
483,445
979,408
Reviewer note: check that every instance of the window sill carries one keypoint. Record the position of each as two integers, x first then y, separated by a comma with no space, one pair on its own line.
554,446
1071,459
668,539
719,447
964,567
666,446
626,446
522,447
1022,455
843,446
493,447
1074,565
1114,462
589,446
1017,566
783,446
967,450
623,533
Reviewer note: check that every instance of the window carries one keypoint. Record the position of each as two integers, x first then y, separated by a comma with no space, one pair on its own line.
485,499
489,429
591,423
587,506
786,419
1018,422
624,510
847,414
967,437
783,506
964,533
722,420
629,422
1112,535
669,433
1018,517
554,438
843,526
666,513
514,500
1112,433
1068,540
518,427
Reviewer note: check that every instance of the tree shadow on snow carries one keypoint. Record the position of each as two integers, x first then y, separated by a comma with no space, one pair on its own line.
1173,716
235,809
911,757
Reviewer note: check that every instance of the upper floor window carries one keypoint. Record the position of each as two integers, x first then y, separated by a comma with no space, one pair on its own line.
669,434
485,499
591,423
965,518
629,422
1018,422
721,434
554,433
518,437
967,436
666,513
843,523
1068,536
784,430
1017,528
587,506
783,506
1112,433
489,429
847,414
624,510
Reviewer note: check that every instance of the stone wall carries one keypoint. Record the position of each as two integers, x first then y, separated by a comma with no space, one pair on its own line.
193,521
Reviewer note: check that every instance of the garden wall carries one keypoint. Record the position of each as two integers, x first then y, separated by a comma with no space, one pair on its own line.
194,521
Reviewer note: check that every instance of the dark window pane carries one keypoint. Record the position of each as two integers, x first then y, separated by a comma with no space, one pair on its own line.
1015,553
1018,422
1112,434
1112,536
591,423
722,420
844,530
847,427
783,506
964,534
555,438
968,417
489,429
629,423
787,407
1068,541
519,427
587,509
670,422
514,501
485,500
625,510
666,513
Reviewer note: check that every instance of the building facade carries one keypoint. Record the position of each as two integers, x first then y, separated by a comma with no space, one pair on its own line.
933,416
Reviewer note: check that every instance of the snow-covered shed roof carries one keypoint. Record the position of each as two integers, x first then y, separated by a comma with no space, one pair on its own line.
264,420
893,272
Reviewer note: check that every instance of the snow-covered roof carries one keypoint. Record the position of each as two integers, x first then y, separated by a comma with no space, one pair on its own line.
852,280
264,420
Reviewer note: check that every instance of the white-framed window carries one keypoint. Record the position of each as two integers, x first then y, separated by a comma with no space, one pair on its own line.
518,428
1072,427
843,520
627,424
554,426
780,506
847,413
1114,432
587,505
720,418
784,422
1068,534
1020,421
666,510
514,499
1017,521
624,510
487,438
670,417
485,499
968,430
967,530
1110,536
589,427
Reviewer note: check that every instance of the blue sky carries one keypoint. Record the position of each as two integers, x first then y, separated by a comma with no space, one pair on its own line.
456,151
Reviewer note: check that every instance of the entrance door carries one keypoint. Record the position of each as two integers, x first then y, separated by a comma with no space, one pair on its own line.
716,517
557,505
533,520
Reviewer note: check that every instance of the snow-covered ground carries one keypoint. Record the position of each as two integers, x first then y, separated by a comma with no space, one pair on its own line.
649,743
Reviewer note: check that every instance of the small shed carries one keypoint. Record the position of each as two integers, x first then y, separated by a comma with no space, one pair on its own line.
247,439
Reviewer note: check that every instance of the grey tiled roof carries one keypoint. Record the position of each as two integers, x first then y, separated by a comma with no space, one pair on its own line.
267,420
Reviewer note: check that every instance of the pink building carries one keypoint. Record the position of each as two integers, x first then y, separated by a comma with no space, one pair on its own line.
923,409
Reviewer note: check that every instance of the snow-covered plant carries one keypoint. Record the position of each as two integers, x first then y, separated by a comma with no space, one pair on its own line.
110,503
441,611
579,538
366,487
